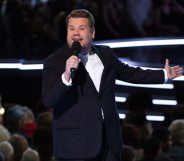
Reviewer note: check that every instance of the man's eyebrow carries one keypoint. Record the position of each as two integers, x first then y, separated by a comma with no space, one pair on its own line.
83,26
70,26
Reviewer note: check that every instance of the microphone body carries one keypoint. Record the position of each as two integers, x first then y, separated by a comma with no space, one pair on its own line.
76,48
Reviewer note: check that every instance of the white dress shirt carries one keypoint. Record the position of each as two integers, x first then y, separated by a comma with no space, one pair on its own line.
94,67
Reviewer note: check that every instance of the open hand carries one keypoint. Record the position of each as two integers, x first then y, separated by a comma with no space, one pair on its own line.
173,72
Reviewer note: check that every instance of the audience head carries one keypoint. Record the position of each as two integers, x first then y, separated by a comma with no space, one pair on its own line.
44,119
164,136
128,153
140,121
131,135
151,147
2,157
30,155
7,150
177,130
19,144
20,119
4,133
42,142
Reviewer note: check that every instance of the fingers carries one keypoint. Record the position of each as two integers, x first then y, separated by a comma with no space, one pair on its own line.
72,62
166,62
176,71
179,70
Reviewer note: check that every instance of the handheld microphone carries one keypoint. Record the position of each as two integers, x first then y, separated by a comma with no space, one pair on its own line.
76,48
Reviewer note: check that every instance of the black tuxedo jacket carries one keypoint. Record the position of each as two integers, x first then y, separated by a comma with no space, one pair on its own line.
77,117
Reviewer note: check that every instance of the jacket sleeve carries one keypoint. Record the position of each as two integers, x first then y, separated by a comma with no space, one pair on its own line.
137,75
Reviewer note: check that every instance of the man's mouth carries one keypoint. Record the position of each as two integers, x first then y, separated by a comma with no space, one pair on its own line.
77,39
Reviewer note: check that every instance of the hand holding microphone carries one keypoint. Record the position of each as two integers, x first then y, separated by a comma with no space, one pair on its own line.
73,62
76,48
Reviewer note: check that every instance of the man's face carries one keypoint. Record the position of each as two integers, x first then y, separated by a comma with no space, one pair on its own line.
78,30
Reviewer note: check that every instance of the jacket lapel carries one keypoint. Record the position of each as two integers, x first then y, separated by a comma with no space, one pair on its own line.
82,77
100,54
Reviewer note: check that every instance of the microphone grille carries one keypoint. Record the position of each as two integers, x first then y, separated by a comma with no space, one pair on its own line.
76,47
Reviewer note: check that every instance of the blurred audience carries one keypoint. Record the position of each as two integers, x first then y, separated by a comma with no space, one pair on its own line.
7,150
151,149
44,119
166,18
164,136
111,11
2,157
34,29
4,133
139,104
138,13
19,144
131,136
30,155
128,153
177,135
20,119
177,112
42,143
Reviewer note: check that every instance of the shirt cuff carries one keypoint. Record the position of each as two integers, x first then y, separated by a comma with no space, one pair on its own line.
66,82
165,76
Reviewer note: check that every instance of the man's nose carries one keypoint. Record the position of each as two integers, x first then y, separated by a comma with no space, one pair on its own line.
76,32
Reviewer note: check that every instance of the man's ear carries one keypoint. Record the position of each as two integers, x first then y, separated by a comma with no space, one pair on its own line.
93,33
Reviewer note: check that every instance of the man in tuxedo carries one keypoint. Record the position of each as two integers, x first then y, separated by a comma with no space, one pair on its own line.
85,118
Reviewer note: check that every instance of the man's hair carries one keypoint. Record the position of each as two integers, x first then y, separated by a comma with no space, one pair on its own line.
82,13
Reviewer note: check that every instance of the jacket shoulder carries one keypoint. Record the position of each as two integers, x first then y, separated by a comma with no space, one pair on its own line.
101,47
57,55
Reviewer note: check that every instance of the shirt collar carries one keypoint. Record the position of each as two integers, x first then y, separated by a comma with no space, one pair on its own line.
83,57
